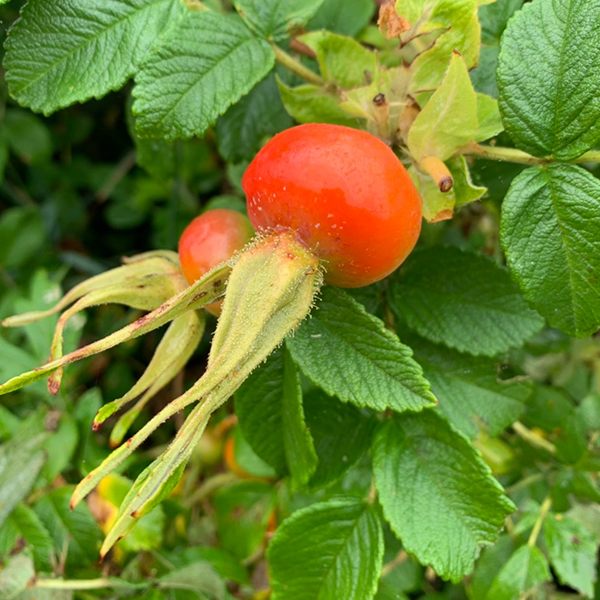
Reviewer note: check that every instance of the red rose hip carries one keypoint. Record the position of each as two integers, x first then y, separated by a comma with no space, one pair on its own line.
346,195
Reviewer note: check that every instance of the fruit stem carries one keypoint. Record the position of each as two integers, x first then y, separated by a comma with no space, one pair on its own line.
439,172
518,156
290,63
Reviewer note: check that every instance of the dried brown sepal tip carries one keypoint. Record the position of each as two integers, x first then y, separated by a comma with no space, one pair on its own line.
380,100
391,24
443,215
439,172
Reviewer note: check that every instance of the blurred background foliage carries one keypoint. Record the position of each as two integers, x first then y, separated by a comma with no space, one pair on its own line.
78,191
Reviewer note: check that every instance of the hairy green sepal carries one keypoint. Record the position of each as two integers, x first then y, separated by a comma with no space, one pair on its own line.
270,291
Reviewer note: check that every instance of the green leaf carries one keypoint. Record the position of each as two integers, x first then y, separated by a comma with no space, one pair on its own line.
548,78
342,60
74,529
341,16
469,390
32,530
489,564
488,118
572,550
341,434
269,407
205,63
248,460
463,300
15,575
484,76
60,447
494,17
371,367
297,442
258,406
65,52
277,19
21,459
156,156
443,515
449,120
27,136
526,569
3,155
23,236
549,231
329,550
200,578
313,104
226,565
243,511
242,129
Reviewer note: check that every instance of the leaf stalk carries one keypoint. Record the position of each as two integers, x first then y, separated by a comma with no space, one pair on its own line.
296,67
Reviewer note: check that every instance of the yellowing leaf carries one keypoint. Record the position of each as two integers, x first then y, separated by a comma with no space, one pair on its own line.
342,60
458,22
449,120
439,206
488,117
312,104
381,102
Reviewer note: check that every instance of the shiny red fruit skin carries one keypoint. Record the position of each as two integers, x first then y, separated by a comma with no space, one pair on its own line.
344,192
210,239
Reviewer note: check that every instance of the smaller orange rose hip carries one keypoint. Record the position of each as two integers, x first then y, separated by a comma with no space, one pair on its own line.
210,239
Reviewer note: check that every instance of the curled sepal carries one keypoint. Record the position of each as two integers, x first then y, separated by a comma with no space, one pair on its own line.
174,350
145,292
157,481
141,266
167,255
206,290
270,291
